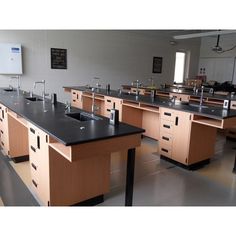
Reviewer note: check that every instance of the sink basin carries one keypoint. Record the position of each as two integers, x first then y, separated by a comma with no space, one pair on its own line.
197,105
34,99
9,90
83,116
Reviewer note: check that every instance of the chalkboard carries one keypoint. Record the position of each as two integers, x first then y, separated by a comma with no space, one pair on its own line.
58,58
157,65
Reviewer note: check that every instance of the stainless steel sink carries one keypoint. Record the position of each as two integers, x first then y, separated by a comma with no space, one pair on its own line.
82,116
34,99
197,105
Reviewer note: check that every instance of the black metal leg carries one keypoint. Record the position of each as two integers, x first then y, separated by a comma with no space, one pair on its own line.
130,177
234,169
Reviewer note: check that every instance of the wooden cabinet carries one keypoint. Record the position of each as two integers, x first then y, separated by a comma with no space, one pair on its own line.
181,139
39,163
180,97
76,98
87,102
4,129
109,103
175,128
134,90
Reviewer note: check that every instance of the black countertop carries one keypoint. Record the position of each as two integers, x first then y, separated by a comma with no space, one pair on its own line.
52,119
209,111
188,91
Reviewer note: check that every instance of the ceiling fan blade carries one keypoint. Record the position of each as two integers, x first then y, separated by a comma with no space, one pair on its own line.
204,34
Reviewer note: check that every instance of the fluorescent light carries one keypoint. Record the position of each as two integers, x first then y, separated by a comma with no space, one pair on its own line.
204,34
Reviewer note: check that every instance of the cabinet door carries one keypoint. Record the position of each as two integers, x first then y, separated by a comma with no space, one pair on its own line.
76,99
181,136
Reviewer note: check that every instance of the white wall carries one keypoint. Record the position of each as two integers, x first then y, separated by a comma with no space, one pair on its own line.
222,64
117,57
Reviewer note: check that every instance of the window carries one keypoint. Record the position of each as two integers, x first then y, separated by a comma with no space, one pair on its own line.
179,67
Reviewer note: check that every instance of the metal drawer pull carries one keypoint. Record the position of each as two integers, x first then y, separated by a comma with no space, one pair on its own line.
73,100
164,150
33,149
165,138
1,131
0,119
109,110
74,93
167,113
34,166
166,126
108,100
34,183
2,143
32,130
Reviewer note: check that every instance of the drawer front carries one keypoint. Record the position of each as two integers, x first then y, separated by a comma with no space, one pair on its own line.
165,150
167,114
75,103
233,105
166,126
74,94
166,139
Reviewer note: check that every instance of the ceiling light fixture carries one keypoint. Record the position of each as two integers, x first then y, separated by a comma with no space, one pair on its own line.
204,34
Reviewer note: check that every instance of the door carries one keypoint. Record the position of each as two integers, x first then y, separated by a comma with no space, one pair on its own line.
181,136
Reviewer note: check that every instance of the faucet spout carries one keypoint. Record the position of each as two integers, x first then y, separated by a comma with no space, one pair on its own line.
43,83
201,98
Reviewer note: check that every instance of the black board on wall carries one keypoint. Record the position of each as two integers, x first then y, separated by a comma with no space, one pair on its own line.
157,65
58,58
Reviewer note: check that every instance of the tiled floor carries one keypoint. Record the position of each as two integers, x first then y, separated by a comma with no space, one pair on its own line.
159,183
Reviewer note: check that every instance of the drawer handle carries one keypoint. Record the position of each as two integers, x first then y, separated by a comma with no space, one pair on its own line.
2,143
33,149
3,114
108,100
167,113
1,131
233,105
176,121
109,110
73,100
164,150
34,166
32,130
77,96
166,126
38,142
165,138
34,183
74,93
1,119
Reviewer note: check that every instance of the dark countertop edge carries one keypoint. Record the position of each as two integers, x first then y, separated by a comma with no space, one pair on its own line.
83,88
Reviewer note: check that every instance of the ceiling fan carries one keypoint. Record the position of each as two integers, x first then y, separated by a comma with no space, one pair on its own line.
217,48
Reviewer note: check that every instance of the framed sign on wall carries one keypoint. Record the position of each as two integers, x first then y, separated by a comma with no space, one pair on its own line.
157,65
58,58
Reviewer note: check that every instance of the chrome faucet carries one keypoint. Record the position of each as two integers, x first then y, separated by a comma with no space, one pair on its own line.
41,82
201,98
18,82
97,82
94,106
67,107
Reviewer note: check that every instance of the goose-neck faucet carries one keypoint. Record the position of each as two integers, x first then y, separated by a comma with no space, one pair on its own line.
41,82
